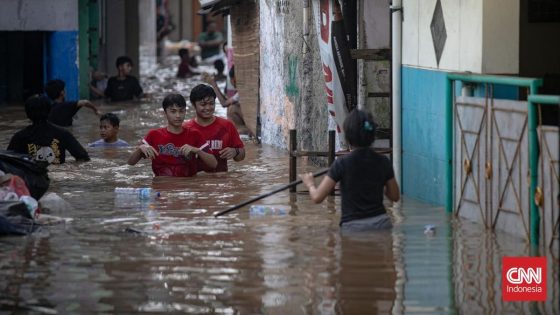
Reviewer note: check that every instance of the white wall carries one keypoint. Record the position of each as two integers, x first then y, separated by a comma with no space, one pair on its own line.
482,36
38,15
463,24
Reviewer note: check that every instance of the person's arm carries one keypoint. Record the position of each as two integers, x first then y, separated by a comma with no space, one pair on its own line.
211,43
237,154
207,158
14,142
210,80
138,91
142,151
109,89
318,194
88,104
96,91
392,190
74,147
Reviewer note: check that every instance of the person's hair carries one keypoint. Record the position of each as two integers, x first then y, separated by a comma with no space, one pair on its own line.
111,118
220,66
37,108
174,99
54,88
359,128
122,60
183,51
232,72
201,92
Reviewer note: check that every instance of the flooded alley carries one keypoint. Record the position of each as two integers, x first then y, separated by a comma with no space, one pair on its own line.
169,253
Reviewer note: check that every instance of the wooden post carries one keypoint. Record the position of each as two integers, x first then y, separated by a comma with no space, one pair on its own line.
332,150
293,158
331,147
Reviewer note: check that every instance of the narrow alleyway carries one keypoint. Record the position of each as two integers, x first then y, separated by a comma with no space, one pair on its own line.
186,261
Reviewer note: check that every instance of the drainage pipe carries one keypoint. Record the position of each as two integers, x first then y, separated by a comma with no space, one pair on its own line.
396,40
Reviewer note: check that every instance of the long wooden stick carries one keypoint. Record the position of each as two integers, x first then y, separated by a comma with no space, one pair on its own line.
294,183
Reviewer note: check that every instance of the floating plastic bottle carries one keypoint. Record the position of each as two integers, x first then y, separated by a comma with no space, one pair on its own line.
141,193
260,210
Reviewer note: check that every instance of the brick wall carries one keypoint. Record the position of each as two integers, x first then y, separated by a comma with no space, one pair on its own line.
246,50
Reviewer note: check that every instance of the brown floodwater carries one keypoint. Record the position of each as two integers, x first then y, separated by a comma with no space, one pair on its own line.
183,260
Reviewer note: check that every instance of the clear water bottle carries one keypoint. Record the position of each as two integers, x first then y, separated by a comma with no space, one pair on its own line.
261,210
142,193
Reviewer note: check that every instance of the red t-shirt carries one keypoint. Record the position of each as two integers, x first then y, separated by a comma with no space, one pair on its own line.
219,135
170,161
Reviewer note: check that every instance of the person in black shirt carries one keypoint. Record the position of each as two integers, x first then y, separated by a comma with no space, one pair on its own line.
62,112
123,87
42,140
364,177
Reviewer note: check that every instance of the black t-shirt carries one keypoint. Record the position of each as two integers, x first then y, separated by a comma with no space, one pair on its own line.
123,90
362,175
47,142
62,113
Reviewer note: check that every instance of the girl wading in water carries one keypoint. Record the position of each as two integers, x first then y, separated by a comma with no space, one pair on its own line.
364,177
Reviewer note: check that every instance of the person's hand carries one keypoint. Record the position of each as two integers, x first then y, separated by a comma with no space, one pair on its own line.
228,153
307,179
208,78
97,112
148,151
187,149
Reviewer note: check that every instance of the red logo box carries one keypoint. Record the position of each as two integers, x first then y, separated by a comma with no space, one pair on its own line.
524,278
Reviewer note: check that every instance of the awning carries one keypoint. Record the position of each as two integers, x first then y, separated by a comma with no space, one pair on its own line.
218,6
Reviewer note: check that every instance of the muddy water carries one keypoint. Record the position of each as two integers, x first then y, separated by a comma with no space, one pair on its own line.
183,260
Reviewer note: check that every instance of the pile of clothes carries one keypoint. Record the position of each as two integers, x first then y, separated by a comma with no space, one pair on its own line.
22,182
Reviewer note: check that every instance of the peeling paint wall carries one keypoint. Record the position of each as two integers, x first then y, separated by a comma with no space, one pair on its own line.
292,84
39,15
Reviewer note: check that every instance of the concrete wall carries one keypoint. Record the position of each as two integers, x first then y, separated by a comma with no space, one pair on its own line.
482,37
58,19
121,34
182,16
147,35
376,25
113,44
292,84
500,48
35,15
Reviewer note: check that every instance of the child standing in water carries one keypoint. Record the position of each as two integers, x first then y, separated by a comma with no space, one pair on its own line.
364,177
174,150
109,131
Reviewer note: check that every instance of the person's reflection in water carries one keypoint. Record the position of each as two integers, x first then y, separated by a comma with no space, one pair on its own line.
367,275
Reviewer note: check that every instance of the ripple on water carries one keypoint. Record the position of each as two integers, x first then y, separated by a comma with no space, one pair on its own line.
169,254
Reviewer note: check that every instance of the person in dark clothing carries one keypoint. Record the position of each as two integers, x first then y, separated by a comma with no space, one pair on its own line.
364,177
187,64
210,42
42,140
123,86
62,112
219,66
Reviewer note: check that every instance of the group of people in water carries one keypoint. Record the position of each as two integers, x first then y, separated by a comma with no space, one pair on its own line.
206,143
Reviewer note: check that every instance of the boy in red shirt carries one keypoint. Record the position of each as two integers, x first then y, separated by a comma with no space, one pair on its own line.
220,134
174,150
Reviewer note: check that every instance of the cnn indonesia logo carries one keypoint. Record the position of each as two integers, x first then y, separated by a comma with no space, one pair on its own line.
524,278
